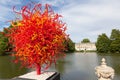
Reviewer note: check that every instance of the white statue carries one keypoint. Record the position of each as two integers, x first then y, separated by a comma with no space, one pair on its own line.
104,72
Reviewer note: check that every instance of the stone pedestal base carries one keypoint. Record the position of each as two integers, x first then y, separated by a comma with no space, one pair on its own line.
103,79
42,76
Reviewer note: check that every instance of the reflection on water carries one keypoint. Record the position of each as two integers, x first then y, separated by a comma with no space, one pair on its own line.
8,69
75,66
80,66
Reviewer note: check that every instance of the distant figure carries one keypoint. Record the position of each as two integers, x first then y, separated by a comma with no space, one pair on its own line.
85,51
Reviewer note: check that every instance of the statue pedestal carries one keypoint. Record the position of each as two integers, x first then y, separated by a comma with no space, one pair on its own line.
43,76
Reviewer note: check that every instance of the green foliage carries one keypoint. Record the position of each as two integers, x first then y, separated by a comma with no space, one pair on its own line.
70,45
115,34
3,44
115,41
103,43
115,46
112,44
86,40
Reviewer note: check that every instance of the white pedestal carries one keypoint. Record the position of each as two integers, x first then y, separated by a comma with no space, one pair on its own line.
33,75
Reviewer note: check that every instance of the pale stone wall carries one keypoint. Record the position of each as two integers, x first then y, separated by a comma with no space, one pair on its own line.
85,46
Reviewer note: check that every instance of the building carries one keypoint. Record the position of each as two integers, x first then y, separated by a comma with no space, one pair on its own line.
85,46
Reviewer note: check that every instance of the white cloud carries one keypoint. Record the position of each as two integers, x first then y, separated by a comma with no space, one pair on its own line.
6,11
91,19
84,18
9,2
52,2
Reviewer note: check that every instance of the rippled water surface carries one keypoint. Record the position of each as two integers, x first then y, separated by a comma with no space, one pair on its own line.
75,66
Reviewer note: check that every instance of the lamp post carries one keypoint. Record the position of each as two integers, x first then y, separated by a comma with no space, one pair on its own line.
104,72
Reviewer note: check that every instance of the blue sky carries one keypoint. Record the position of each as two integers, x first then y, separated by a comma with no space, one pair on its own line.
84,18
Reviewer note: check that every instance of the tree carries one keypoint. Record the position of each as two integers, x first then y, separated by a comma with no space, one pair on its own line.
115,34
70,45
103,43
3,43
115,41
115,46
38,36
86,40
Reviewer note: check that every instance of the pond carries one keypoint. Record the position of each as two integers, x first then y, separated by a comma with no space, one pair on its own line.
75,66
8,69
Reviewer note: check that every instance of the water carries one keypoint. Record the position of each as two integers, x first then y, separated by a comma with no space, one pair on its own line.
75,66
8,69
81,66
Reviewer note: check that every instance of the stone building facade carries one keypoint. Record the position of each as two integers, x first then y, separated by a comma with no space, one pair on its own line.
85,46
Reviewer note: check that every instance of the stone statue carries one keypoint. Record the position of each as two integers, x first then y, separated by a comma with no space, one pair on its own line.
104,72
